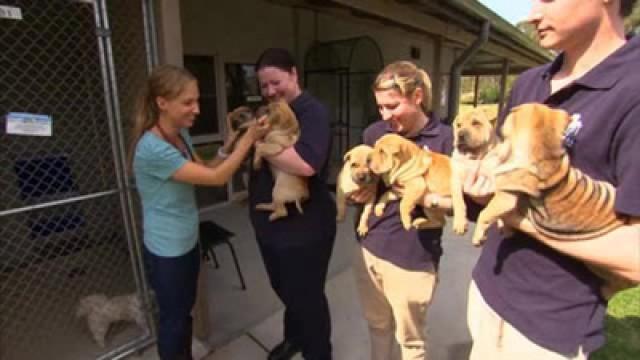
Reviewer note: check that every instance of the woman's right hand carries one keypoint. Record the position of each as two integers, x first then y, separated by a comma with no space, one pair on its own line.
362,196
479,185
256,132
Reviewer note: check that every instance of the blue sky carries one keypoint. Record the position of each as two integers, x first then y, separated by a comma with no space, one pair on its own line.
512,10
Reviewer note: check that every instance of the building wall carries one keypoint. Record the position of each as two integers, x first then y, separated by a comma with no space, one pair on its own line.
234,32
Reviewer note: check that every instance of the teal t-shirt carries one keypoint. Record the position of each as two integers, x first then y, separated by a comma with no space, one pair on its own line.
170,213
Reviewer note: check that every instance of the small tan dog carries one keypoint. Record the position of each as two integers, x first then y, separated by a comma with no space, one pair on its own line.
101,312
536,184
401,162
284,132
355,175
474,136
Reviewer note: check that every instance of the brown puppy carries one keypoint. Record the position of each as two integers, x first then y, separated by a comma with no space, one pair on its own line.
474,136
355,175
401,162
536,182
284,132
239,120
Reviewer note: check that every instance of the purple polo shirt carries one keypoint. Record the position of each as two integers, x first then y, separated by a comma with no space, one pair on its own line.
551,298
313,146
387,238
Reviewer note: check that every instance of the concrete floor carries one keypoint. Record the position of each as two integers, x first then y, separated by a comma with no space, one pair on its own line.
245,324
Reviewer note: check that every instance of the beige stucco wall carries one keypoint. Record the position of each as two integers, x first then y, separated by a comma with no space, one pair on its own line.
238,31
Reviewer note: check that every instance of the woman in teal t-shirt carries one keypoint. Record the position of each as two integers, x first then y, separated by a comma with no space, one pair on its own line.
166,169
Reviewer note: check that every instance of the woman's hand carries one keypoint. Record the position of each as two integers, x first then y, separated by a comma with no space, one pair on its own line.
256,131
478,184
362,196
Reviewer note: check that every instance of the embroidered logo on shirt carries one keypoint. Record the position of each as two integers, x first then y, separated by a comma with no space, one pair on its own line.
571,132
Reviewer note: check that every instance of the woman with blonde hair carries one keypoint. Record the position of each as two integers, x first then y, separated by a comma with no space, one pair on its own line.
396,269
166,168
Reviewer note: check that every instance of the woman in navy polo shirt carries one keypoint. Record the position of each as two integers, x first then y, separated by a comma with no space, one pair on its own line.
296,249
535,300
396,269
166,168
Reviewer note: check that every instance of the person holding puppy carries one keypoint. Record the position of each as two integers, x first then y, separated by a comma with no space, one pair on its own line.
534,298
296,248
166,168
396,269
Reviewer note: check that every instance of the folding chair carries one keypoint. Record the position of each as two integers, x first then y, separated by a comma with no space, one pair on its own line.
212,235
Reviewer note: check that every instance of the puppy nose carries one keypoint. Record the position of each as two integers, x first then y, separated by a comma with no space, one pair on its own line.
463,134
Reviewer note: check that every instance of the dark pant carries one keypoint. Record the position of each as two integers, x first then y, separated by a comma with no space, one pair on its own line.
298,274
174,281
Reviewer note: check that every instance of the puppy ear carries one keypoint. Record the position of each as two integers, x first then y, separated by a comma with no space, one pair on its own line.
347,156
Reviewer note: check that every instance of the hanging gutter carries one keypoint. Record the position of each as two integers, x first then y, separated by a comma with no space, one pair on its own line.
456,70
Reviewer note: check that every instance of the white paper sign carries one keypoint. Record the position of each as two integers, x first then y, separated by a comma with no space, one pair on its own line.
254,98
29,124
10,12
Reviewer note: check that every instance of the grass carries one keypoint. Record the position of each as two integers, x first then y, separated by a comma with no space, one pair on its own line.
622,327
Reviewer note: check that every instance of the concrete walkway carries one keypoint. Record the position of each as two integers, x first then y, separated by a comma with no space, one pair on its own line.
245,324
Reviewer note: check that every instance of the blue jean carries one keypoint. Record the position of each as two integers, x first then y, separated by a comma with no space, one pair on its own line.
174,281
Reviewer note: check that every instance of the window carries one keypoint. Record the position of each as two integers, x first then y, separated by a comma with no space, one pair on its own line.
207,123
207,130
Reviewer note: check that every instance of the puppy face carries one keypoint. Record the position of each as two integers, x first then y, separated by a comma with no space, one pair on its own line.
536,133
473,133
532,147
356,161
281,117
241,118
389,152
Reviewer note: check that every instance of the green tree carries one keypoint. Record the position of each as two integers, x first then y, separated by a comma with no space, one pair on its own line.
528,29
632,22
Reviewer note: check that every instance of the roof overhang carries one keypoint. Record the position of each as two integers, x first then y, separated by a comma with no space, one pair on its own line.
456,22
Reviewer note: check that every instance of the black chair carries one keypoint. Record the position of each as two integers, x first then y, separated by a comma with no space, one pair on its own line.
212,235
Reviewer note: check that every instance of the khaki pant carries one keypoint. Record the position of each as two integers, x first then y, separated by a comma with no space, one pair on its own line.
495,339
395,302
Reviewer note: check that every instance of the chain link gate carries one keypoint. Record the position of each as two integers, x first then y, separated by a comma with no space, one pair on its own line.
66,220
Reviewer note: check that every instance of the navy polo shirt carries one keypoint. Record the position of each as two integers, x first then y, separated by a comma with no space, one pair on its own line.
387,238
551,298
313,146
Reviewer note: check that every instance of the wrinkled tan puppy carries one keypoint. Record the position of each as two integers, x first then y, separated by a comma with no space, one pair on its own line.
284,132
536,183
401,162
474,136
355,175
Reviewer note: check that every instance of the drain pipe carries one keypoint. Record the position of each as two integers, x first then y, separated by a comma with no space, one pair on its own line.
456,71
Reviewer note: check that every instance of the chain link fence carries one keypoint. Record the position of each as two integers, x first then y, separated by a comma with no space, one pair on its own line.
66,228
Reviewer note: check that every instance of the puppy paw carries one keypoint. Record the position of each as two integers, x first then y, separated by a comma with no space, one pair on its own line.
478,238
420,223
505,230
460,226
363,230
276,215
379,209
407,223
